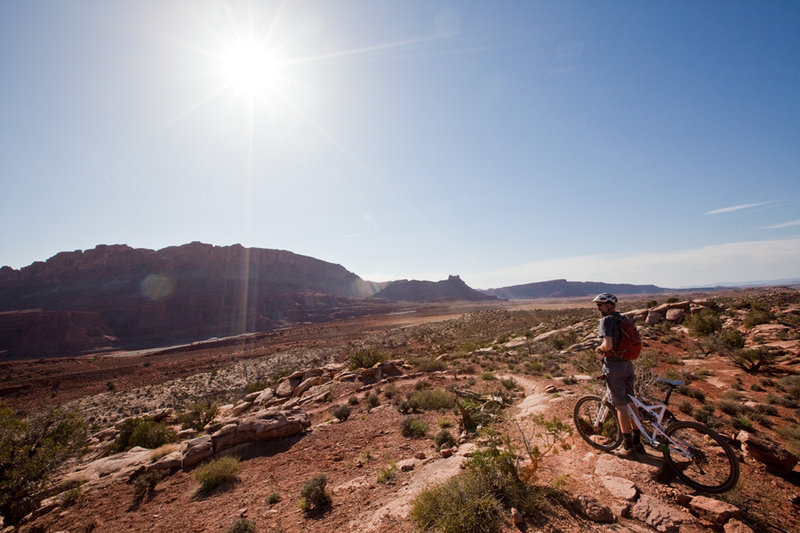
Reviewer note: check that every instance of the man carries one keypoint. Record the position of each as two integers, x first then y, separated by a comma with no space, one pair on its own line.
619,373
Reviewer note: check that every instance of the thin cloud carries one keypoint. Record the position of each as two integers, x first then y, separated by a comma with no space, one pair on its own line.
784,224
705,266
735,208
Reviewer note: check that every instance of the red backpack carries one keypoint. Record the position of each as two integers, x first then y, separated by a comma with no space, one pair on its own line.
629,345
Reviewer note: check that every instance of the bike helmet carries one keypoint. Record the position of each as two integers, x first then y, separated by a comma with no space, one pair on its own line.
605,298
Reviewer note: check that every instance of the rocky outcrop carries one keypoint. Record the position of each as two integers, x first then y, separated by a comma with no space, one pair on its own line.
188,292
453,288
775,458
47,333
659,515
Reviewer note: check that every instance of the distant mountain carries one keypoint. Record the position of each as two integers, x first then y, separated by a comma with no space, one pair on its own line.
147,297
561,288
453,288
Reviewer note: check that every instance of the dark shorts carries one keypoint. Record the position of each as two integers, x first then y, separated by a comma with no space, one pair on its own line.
619,380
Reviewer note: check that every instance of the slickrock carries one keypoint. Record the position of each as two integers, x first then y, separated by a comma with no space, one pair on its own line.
620,488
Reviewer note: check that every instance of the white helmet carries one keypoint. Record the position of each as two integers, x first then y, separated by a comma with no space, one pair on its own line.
605,298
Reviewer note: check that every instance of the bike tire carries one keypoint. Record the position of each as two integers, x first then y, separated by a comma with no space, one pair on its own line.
713,467
607,435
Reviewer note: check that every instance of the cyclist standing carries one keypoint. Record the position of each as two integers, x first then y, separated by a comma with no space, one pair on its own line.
619,373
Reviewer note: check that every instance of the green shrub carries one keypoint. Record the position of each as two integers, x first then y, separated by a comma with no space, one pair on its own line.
313,495
256,386
705,414
145,485
429,364
691,392
30,452
672,300
341,412
730,407
242,525
726,340
274,498
752,360
461,504
144,432
488,376
432,399
791,434
387,473
791,385
414,428
444,437
511,383
704,323
472,415
198,415
372,400
365,358
390,390
757,317
650,304
218,473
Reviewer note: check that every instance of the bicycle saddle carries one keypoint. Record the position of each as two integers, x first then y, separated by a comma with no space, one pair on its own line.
672,382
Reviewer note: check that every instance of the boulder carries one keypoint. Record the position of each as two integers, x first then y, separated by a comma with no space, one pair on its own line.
676,315
777,459
736,526
197,451
263,396
286,386
714,511
659,515
653,318
592,509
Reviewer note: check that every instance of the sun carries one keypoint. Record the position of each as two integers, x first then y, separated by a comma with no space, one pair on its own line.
251,69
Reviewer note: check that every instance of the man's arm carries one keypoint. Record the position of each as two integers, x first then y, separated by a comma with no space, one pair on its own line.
607,345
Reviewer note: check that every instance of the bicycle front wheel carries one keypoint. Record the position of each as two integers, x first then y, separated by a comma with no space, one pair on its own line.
597,423
701,457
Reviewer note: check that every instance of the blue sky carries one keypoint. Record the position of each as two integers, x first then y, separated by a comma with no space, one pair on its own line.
508,142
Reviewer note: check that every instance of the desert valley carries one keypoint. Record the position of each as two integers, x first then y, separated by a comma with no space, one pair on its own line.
201,388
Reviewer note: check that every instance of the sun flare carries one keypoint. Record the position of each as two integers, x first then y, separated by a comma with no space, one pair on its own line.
251,69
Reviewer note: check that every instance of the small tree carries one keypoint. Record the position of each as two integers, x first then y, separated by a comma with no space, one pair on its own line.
30,451
365,358
198,415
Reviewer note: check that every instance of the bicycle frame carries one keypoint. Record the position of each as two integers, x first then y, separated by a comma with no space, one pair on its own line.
657,412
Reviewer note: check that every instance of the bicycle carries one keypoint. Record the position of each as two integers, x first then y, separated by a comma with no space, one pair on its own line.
698,455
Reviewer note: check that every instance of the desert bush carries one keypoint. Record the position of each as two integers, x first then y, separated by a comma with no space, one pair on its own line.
650,304
198,415
444,437
341,412
352,400
562,340
672,300
791,434
387,473
164,450
704,323
757,317
274,498
144,432
256,386
752,360
705,414
145,485
509,383
432,399
488,376
365,358
313,495
791,385
742,422
415,428
372,400
429,364
462,504
691,392
242,525
30,451
730,407
472,415
218,473
390,390
422,385
724,341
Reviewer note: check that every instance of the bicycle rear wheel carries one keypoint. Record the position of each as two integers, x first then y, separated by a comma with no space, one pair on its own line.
701,457
602,434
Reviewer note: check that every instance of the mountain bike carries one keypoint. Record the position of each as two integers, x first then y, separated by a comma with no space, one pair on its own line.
698,455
